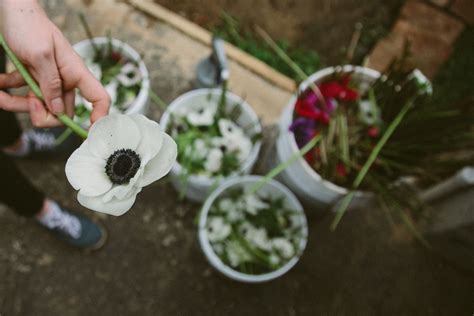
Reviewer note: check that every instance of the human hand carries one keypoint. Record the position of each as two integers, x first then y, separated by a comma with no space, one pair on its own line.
52,61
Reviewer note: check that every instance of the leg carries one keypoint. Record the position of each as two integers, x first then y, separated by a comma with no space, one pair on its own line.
16,191
11,130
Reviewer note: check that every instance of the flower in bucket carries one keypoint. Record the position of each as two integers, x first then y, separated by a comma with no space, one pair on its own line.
253,234
210,141
122,154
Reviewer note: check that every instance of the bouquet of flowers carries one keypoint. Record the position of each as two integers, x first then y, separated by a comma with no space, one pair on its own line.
253,234
376,136
210,142
119,68
120,76
352,114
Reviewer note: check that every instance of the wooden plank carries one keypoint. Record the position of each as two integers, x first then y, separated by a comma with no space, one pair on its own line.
202,35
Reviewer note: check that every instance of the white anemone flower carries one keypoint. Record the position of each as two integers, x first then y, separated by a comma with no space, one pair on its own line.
236,253
199,114
274,259
214,160
253,204
256,236
94,68
283,247
229,129
231,209
112,91
234,139
121,155
80,100
217,229
129,75
200,149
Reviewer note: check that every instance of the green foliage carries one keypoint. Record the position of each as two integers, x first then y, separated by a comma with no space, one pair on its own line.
232,31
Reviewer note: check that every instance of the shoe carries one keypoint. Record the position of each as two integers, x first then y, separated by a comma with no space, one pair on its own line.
77,230
45,142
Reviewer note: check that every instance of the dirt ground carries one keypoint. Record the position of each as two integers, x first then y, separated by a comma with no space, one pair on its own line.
152,263
323,25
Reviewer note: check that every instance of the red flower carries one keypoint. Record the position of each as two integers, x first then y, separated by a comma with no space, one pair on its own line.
306,109
117,57
373,132
339,90
341,170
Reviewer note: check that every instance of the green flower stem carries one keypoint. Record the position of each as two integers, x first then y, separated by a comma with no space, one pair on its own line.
89,34
282,166
373,156
66,120
297,69
158,101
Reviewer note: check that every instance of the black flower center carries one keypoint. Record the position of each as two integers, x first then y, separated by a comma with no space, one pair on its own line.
122,165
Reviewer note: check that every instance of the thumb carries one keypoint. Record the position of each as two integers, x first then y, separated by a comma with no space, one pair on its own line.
51,86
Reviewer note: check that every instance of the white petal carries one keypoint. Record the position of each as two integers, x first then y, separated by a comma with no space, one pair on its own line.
123,191
151,137
86,172
111,133
161,164
114,207
129,75
111,89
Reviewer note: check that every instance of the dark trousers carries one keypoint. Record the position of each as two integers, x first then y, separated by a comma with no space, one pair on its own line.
15,190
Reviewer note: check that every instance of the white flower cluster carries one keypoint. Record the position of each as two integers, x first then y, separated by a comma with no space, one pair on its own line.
249,229
124,78
227,138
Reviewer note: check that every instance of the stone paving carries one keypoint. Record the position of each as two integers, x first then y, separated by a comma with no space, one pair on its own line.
430,28
152,264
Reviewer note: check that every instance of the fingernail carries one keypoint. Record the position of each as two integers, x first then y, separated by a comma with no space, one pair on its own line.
57,105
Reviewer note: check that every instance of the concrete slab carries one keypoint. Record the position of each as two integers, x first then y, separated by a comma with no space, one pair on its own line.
170,55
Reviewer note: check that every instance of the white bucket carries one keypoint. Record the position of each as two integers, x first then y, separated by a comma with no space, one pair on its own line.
306,183
140,105
197,187
272,189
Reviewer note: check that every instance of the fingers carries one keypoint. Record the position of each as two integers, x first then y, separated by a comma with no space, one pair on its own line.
13,103
11,80
50,82
92,91
69,98
76,75
40,117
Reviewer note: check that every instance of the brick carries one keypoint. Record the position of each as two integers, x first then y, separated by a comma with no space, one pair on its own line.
465,9
431,20
431,35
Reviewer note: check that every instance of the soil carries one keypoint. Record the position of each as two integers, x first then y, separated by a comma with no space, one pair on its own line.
323,25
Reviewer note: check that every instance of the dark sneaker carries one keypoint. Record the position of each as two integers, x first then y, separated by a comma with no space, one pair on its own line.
51,141
78,231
